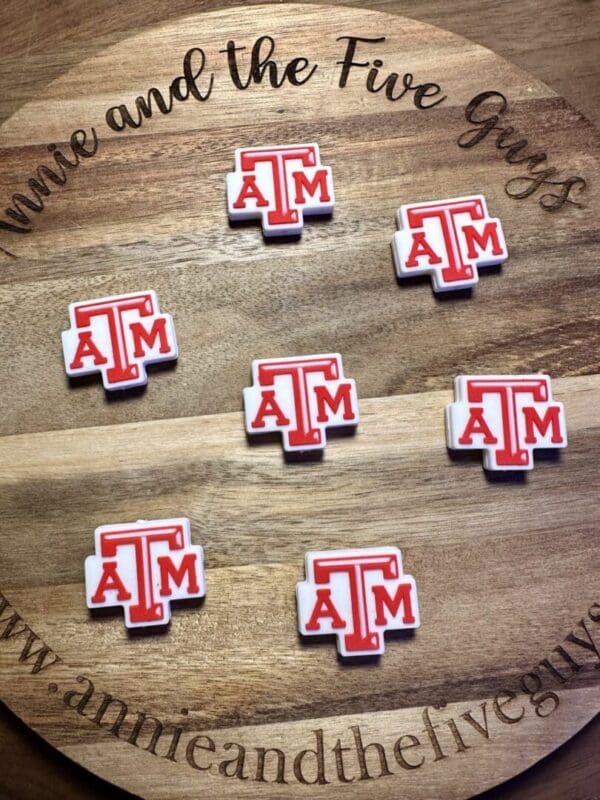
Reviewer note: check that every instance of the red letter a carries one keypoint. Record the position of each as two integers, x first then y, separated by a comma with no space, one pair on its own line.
110,581
421,247
86,347
477,424
250,190
269,408
324,608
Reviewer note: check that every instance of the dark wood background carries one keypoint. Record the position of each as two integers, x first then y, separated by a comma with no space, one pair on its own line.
557,41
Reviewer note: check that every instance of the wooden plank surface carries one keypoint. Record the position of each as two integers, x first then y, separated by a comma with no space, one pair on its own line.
147,210
236,666
556,42
557,328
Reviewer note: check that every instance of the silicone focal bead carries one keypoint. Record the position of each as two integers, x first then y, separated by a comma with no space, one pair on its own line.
449,240
506,417
117,336
279,186
300,397
356,595
143,566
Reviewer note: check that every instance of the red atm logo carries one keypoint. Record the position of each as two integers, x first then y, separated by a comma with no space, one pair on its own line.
506,416
279,185
448,240
300,397
143,566
357,595
117,336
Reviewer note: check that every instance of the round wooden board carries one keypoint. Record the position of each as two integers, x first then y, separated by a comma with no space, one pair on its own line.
507,570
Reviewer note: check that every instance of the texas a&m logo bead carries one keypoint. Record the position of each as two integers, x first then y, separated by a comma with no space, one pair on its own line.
117,336
505,416
280,186
449,240
143,566
300,397
357,595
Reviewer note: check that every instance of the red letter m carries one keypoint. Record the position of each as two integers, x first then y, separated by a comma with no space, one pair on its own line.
325,399
401,598
472,238
533,420
303,184
139,333
169,570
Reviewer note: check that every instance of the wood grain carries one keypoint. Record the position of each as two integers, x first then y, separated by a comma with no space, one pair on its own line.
236,666
147,210
139,214
574,764
41,42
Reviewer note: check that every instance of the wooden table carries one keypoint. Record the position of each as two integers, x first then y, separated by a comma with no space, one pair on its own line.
40,43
